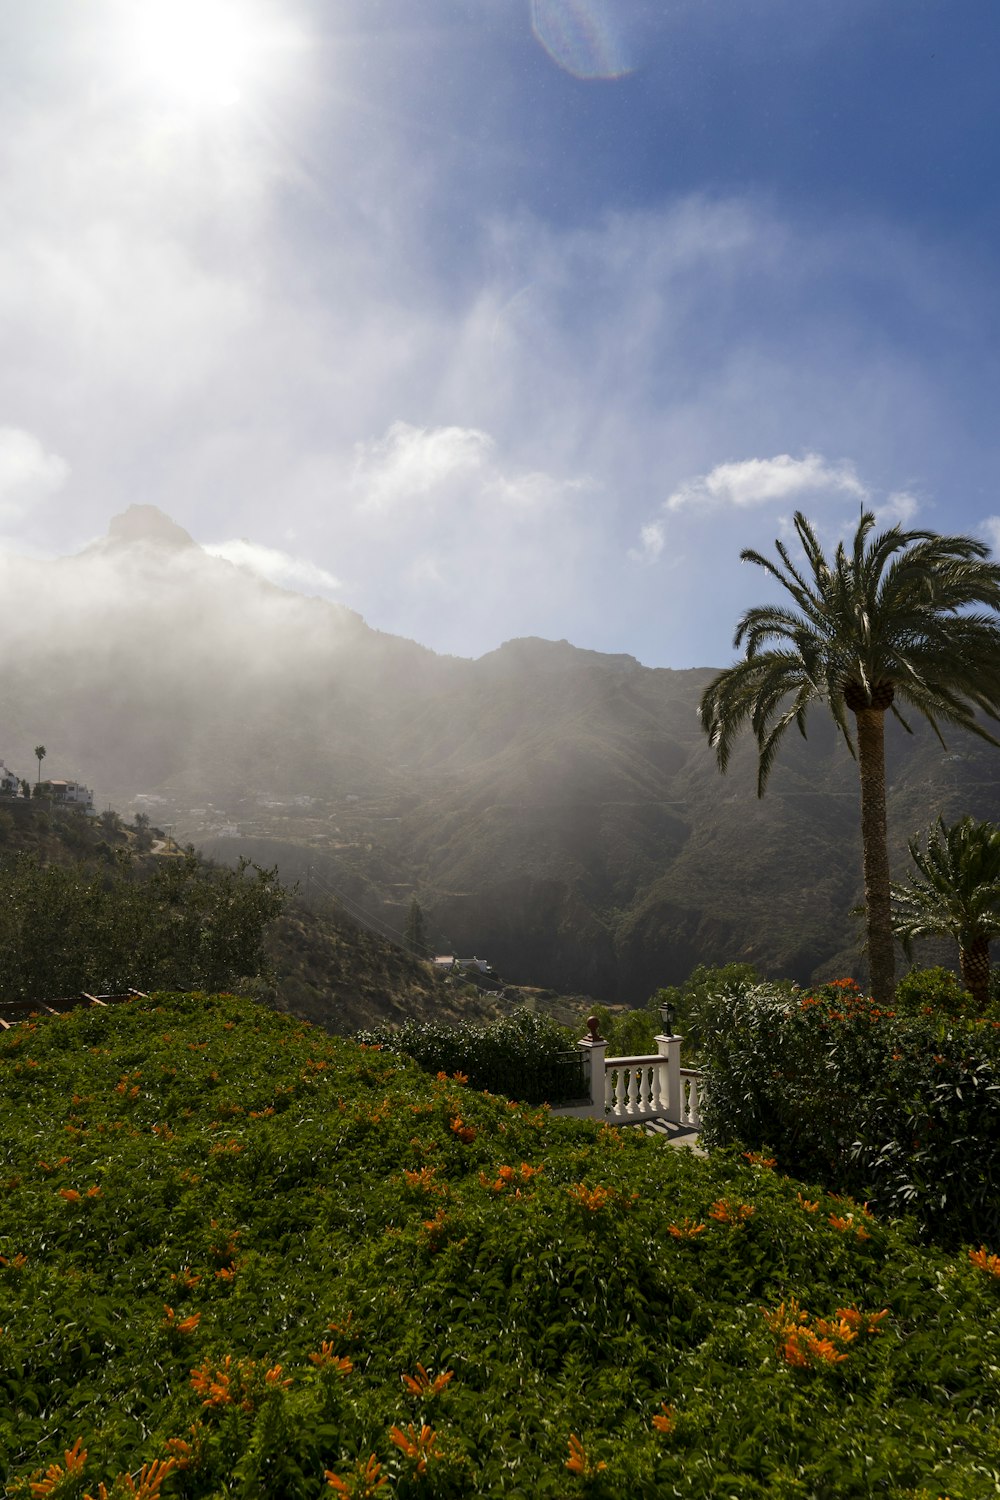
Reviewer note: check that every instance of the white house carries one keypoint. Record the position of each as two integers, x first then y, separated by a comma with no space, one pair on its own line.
72,792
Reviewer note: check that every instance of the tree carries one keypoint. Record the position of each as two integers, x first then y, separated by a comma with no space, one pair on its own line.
957,895
415,935
895,618
40,754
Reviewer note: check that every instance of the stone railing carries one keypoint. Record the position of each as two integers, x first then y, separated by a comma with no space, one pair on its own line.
627,1090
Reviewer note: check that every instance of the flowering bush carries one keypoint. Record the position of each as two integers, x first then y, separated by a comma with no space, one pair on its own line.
902,1110
361,1302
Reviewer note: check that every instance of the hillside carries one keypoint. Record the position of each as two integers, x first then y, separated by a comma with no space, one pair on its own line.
324,967
554,809
244,1259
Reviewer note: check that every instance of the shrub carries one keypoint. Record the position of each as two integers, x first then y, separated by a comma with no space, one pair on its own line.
525,1055
267,1260
901,1110
939,988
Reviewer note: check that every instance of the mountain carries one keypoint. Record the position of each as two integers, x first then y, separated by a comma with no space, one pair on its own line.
554,809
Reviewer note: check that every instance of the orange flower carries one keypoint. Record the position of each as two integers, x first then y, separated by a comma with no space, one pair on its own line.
214,1385
325,1358
421,1384
756,1160
186,1277
465,1133
730,1213
419,1446
802,1346
70,1194
151,1476
836,1328
368,1480
983,1261
592,1199
808,1204
687,1229
180,1451
663,1421
786,1317
74,1457
578,1462
845,1225
424,1180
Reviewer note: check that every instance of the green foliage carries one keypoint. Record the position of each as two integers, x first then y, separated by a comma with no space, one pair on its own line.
903,1111
232,1241
631,1033
705,998
65,928
524,1055
936,988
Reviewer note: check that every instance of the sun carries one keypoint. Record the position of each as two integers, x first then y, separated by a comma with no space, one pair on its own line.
197,54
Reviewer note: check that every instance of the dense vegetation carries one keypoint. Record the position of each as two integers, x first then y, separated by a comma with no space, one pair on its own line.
95,904
524,1055
902,1109
66,928
275,1264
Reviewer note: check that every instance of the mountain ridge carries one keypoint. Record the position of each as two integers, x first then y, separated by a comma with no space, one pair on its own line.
555,808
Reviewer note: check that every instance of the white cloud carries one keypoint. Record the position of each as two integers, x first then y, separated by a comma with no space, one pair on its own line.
991,529
277,567
27,472
898,509
758,481
652,540
415,461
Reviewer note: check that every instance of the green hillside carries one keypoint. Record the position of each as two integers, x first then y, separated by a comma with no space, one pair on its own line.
71,919
242,1258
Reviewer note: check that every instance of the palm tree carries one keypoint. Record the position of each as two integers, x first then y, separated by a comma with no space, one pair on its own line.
894,618
957,896
39,756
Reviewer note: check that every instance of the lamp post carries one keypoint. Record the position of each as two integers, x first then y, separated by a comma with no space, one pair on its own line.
667,1017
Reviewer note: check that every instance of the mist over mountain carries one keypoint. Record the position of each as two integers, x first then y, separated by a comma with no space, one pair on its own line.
554,809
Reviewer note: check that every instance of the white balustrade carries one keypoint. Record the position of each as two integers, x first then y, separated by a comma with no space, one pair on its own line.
627,1089
635,1088
691,1092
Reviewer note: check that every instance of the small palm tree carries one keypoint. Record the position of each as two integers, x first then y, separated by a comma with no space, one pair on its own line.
39,756
894,618
957,895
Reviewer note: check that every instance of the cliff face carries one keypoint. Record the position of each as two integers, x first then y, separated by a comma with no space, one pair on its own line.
555,809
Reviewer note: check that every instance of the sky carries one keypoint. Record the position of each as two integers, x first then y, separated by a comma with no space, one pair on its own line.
494,318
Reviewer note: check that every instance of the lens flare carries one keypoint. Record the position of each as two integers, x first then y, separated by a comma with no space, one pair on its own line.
582,36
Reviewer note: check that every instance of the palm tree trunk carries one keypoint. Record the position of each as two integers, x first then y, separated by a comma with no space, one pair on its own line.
874,844
974,962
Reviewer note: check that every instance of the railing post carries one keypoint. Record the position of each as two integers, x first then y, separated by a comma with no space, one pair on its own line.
594,1049
670,1048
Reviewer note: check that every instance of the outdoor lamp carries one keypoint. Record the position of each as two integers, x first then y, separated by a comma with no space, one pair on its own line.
667,1017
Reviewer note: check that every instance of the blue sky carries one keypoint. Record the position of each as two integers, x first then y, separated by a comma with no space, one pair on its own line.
492,318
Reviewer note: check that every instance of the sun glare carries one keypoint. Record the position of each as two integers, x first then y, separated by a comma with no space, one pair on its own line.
199,54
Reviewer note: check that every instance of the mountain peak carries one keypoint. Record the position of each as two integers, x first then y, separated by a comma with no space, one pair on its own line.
147,524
